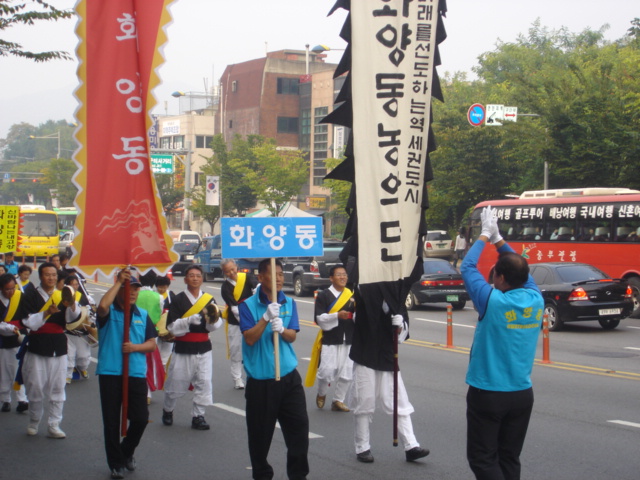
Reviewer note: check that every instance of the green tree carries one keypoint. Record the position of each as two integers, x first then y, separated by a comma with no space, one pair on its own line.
170,196
277,176
23,190
340,191
15,13
57,176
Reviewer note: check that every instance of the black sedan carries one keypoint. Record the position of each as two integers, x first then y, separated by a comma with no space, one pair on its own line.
440,282
575,292
186,251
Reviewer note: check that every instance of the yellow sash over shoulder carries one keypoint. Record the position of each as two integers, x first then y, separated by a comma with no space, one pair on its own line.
316,349
13,305
197,307
237,292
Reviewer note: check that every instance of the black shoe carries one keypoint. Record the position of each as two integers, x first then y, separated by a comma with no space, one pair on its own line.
131,463
199,423
415,453
22,407
117,472
365,457
6,407
167,417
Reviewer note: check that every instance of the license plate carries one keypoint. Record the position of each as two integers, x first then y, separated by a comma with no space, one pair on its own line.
188,257
452,298
610,311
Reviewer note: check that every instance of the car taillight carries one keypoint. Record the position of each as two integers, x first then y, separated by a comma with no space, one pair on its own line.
629,292
441,283
313,267
244,270
578,294
428,246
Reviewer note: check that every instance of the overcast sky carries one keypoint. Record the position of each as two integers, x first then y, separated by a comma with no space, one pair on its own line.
208,35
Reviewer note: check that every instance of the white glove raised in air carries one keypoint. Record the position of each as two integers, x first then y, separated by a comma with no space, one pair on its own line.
397,320
277,326
195,319
486,217
495,231
273,310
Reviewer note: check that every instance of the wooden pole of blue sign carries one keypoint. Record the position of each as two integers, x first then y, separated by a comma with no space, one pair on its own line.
276,340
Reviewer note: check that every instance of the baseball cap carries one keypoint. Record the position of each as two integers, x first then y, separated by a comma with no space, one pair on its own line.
135,281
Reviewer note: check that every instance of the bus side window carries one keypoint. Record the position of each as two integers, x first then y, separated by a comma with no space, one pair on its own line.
622,233
634,236
601,234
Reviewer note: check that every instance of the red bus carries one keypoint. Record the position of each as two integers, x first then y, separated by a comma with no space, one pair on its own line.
599,226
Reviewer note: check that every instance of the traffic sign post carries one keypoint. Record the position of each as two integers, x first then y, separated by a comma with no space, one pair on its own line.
476,114
495,115
511,114
161,163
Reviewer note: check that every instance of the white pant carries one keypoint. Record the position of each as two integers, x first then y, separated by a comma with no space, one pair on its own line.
335,364
235,351
45,377
78,354
370,386
187,369
8,369
165,350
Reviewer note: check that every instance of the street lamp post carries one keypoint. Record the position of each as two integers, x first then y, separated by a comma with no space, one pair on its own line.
53,135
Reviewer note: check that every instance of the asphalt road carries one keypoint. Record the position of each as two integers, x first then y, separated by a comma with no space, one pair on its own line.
585,424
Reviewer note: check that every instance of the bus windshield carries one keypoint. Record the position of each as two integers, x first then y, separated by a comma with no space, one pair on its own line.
39,225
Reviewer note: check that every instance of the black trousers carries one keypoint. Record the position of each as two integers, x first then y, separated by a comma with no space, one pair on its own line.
137,413
497,424
284,401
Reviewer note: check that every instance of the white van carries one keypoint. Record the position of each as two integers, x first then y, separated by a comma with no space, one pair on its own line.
186,236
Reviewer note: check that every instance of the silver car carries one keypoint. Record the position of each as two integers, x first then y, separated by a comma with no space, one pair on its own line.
438,244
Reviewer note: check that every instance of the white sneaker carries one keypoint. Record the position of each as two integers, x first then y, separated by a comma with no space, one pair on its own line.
32,429
239,384
55,432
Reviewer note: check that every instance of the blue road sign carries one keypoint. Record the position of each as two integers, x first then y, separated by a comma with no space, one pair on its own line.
476,114
271,237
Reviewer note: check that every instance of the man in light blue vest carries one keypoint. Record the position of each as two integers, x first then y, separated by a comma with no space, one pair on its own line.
142,336
500,395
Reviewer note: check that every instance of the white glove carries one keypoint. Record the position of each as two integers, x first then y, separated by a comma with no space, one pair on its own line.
397,320
495,231
236,311
276,325
195,319
273,310
486,217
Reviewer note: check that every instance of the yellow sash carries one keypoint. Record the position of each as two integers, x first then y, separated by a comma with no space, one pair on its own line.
55,298
13,305
237,292
316,349
197,307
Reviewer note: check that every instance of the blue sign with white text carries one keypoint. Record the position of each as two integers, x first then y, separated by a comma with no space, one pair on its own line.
271,237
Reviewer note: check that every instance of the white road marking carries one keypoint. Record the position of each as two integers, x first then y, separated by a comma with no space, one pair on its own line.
629,326
632,348
443,322
242,413
307,359
626,424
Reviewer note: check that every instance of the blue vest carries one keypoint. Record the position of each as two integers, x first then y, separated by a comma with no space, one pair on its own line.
110,350
504,344
258,359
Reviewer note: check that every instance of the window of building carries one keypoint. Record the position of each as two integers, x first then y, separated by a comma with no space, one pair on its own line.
230,123
165,142
178,142
203,141
305,130
287,124
288,86
234,86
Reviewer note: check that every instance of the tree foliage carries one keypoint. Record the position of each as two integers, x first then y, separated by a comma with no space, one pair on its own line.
583,97
16,13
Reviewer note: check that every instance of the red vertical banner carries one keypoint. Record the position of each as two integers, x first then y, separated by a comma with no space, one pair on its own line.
120,215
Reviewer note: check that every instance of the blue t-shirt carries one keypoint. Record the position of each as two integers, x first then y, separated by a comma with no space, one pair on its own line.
110,331
258,359
506,336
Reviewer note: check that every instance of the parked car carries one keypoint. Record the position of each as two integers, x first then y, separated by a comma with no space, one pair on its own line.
578,291
438,244
306,274
440,282
187,251
185,236
209,256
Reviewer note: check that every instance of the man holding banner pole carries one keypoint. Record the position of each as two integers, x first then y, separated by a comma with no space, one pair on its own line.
113,353
264,324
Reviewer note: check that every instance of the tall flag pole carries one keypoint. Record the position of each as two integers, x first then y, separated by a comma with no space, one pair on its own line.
386,102
120,217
